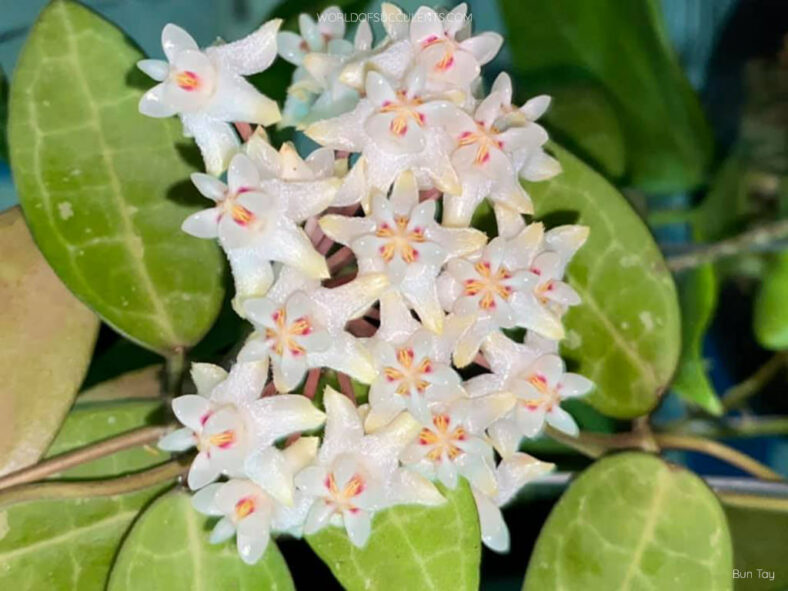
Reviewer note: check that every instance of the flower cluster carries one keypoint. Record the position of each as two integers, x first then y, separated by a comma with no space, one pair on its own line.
343,268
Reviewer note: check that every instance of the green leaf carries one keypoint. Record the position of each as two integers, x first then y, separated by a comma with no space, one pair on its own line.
698,299
771,311
625,334
104,188
632,521
168,549
582,119
759,542
622,48
46,339
410,548
69,544
139,383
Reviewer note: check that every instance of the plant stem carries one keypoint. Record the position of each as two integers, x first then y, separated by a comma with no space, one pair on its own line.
717,450
175,367
737,395
596,444
754,501
94,488
83,455
746,241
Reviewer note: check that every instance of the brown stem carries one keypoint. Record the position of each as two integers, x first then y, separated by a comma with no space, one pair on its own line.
83,455
312,382
95,488
339,259
346,385
361,327
244,130
749,240
595,445
429,194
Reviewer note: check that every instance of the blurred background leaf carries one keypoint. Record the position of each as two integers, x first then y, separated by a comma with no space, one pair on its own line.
46,339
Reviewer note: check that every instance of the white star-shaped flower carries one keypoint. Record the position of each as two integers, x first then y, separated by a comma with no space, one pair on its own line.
249,512
256,219
207,89
443,46
401,238
227,420
395,131
515,282
451,442
511,475
532,162
410,375
539,381
483,159
356,474
300,325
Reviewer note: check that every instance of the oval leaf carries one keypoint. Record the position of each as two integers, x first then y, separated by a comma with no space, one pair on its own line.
771,311
46,336
410,548
104,188
70,544
625,335
632,521
622,47
175,536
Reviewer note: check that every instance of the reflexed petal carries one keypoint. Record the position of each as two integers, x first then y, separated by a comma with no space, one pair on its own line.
289,47
503,86
202,472
495,534
560,419
223,530
244,384
345,229
515,472
209,186
252,537
154,104
358,524
384,131
530,421
479,473
363,39
252,54
422,295
175,40
156,69
191,410
312,480
350,300
269,469
291,246
348,355
301,453
206,376
396,321
319,516
540,167
414,488
532,315
242,174
447,473
506,436
216,139
387,443
482,411
178,440
203,224
342,421
379,90
481,385
484,46
563,294
573,384
536,107
289,371
405,195
283,414
332,22
425,25
204,502
256,348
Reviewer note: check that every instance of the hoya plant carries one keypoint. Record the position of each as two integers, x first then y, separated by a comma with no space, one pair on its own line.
375,304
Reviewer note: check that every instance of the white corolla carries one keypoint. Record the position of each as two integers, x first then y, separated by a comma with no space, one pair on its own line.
401,239
356,475
511,475
515,282
300,325
540,383
249,512
452,443
396,128
410,375
207,89
256,221
227,420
